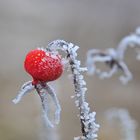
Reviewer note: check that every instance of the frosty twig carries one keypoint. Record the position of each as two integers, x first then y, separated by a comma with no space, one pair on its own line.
88,126
26,88
44,67
114,58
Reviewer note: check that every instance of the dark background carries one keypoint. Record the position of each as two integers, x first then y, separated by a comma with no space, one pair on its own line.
27,24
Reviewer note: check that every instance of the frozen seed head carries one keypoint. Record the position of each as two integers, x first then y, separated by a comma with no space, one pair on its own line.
43,66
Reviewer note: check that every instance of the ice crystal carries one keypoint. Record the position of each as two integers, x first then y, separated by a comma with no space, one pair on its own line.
114,58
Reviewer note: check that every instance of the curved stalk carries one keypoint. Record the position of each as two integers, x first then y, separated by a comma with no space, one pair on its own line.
88,126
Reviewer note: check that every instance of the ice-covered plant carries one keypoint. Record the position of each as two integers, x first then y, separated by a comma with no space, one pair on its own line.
88,126
127,124
114,58
46,65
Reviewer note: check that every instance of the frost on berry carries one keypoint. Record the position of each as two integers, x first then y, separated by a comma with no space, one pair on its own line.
43,66
127,124
43,91
110,58
114,58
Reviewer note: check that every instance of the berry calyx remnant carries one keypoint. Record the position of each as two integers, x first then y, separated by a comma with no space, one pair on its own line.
43,66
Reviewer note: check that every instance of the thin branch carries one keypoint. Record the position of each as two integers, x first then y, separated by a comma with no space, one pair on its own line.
132,40
88,126
56,102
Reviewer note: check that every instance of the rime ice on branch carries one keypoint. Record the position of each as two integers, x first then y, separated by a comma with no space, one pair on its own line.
88,126
114,58
128,126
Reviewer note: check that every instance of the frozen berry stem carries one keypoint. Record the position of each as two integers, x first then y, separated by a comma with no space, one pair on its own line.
42,89
26,88
44,67
88,126
114,58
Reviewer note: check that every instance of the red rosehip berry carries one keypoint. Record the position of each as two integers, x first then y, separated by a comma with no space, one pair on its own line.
43,66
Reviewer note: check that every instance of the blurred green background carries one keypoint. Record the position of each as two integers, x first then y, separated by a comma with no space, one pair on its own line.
27,24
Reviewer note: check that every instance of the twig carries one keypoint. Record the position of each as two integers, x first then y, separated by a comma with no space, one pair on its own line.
88,126
43,91
114,58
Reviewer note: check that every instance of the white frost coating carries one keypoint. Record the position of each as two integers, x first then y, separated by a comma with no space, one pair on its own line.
42,49
114,58
94,56
129,41
56,102
128,125
112,61
43,90
45,110
26,88
88,125
128,76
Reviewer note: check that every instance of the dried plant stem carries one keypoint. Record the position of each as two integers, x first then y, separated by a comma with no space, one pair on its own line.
114,58
43,91
87,119
82,99
132,40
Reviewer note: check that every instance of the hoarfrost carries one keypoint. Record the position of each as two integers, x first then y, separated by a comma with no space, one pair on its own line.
43,90
88,125
87,118
114,58
26,88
